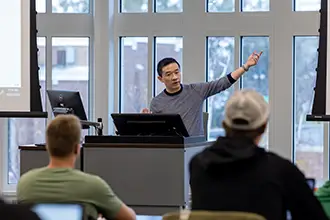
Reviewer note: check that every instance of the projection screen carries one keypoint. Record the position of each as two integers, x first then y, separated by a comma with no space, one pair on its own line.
15,56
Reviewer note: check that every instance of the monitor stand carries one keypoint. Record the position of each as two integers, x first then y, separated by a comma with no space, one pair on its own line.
97,125
324,118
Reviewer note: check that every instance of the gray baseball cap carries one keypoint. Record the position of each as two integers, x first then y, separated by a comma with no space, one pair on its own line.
246,110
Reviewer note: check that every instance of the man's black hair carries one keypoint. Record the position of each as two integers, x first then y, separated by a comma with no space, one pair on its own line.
164,62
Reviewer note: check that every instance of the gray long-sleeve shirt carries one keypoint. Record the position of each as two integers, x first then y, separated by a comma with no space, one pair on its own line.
188,102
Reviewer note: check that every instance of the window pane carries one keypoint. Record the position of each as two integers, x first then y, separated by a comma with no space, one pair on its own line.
134,74
41,6
167,47
221,5
168,5
255,5
27,130
220,62
70,6
70,62
133,6
257,76
308,136
307,5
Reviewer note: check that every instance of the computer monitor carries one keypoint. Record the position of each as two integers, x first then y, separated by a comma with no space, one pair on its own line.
57,211
67,102
141,124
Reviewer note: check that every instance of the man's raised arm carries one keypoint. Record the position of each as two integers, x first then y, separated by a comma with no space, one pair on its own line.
208,89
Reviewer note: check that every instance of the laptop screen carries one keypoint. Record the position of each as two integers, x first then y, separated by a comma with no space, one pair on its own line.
59,211
311,183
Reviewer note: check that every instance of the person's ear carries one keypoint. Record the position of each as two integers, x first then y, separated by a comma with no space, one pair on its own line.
77,150
160,78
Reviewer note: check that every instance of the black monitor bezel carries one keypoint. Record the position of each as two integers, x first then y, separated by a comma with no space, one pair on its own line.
175,120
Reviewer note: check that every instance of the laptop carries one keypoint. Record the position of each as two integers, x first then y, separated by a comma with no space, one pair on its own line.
311,183
47,211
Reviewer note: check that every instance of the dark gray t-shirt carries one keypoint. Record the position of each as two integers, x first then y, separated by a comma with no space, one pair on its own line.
188,102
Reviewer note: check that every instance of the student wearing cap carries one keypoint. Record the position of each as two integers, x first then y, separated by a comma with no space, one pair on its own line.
187,99
235,174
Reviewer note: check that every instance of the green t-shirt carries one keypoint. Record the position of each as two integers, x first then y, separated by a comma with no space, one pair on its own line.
65,185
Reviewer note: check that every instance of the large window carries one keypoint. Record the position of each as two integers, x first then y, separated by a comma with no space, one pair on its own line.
257,77
27,131
220,62
71,66
308,136
133,74
167,47
232,30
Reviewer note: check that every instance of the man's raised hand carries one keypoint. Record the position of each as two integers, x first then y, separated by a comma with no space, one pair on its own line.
253,59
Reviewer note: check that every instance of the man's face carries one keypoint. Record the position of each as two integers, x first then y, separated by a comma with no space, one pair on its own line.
171,77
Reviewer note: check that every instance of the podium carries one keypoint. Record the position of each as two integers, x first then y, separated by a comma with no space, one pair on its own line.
150,174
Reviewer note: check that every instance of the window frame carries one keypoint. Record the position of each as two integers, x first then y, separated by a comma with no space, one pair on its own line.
194,24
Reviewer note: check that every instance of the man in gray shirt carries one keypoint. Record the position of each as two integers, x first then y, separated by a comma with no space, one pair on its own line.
187,99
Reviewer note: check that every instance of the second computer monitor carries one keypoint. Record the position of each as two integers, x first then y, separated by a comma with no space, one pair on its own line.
140,124
67,102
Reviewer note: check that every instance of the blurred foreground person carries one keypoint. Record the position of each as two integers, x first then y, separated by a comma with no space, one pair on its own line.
16,212
60,182
235,174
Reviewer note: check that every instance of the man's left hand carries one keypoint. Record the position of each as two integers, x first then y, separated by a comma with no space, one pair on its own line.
253,59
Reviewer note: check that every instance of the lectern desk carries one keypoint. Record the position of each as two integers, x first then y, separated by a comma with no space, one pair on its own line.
32,156
150,174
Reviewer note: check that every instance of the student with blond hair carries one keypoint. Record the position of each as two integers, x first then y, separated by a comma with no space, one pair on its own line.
59,182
